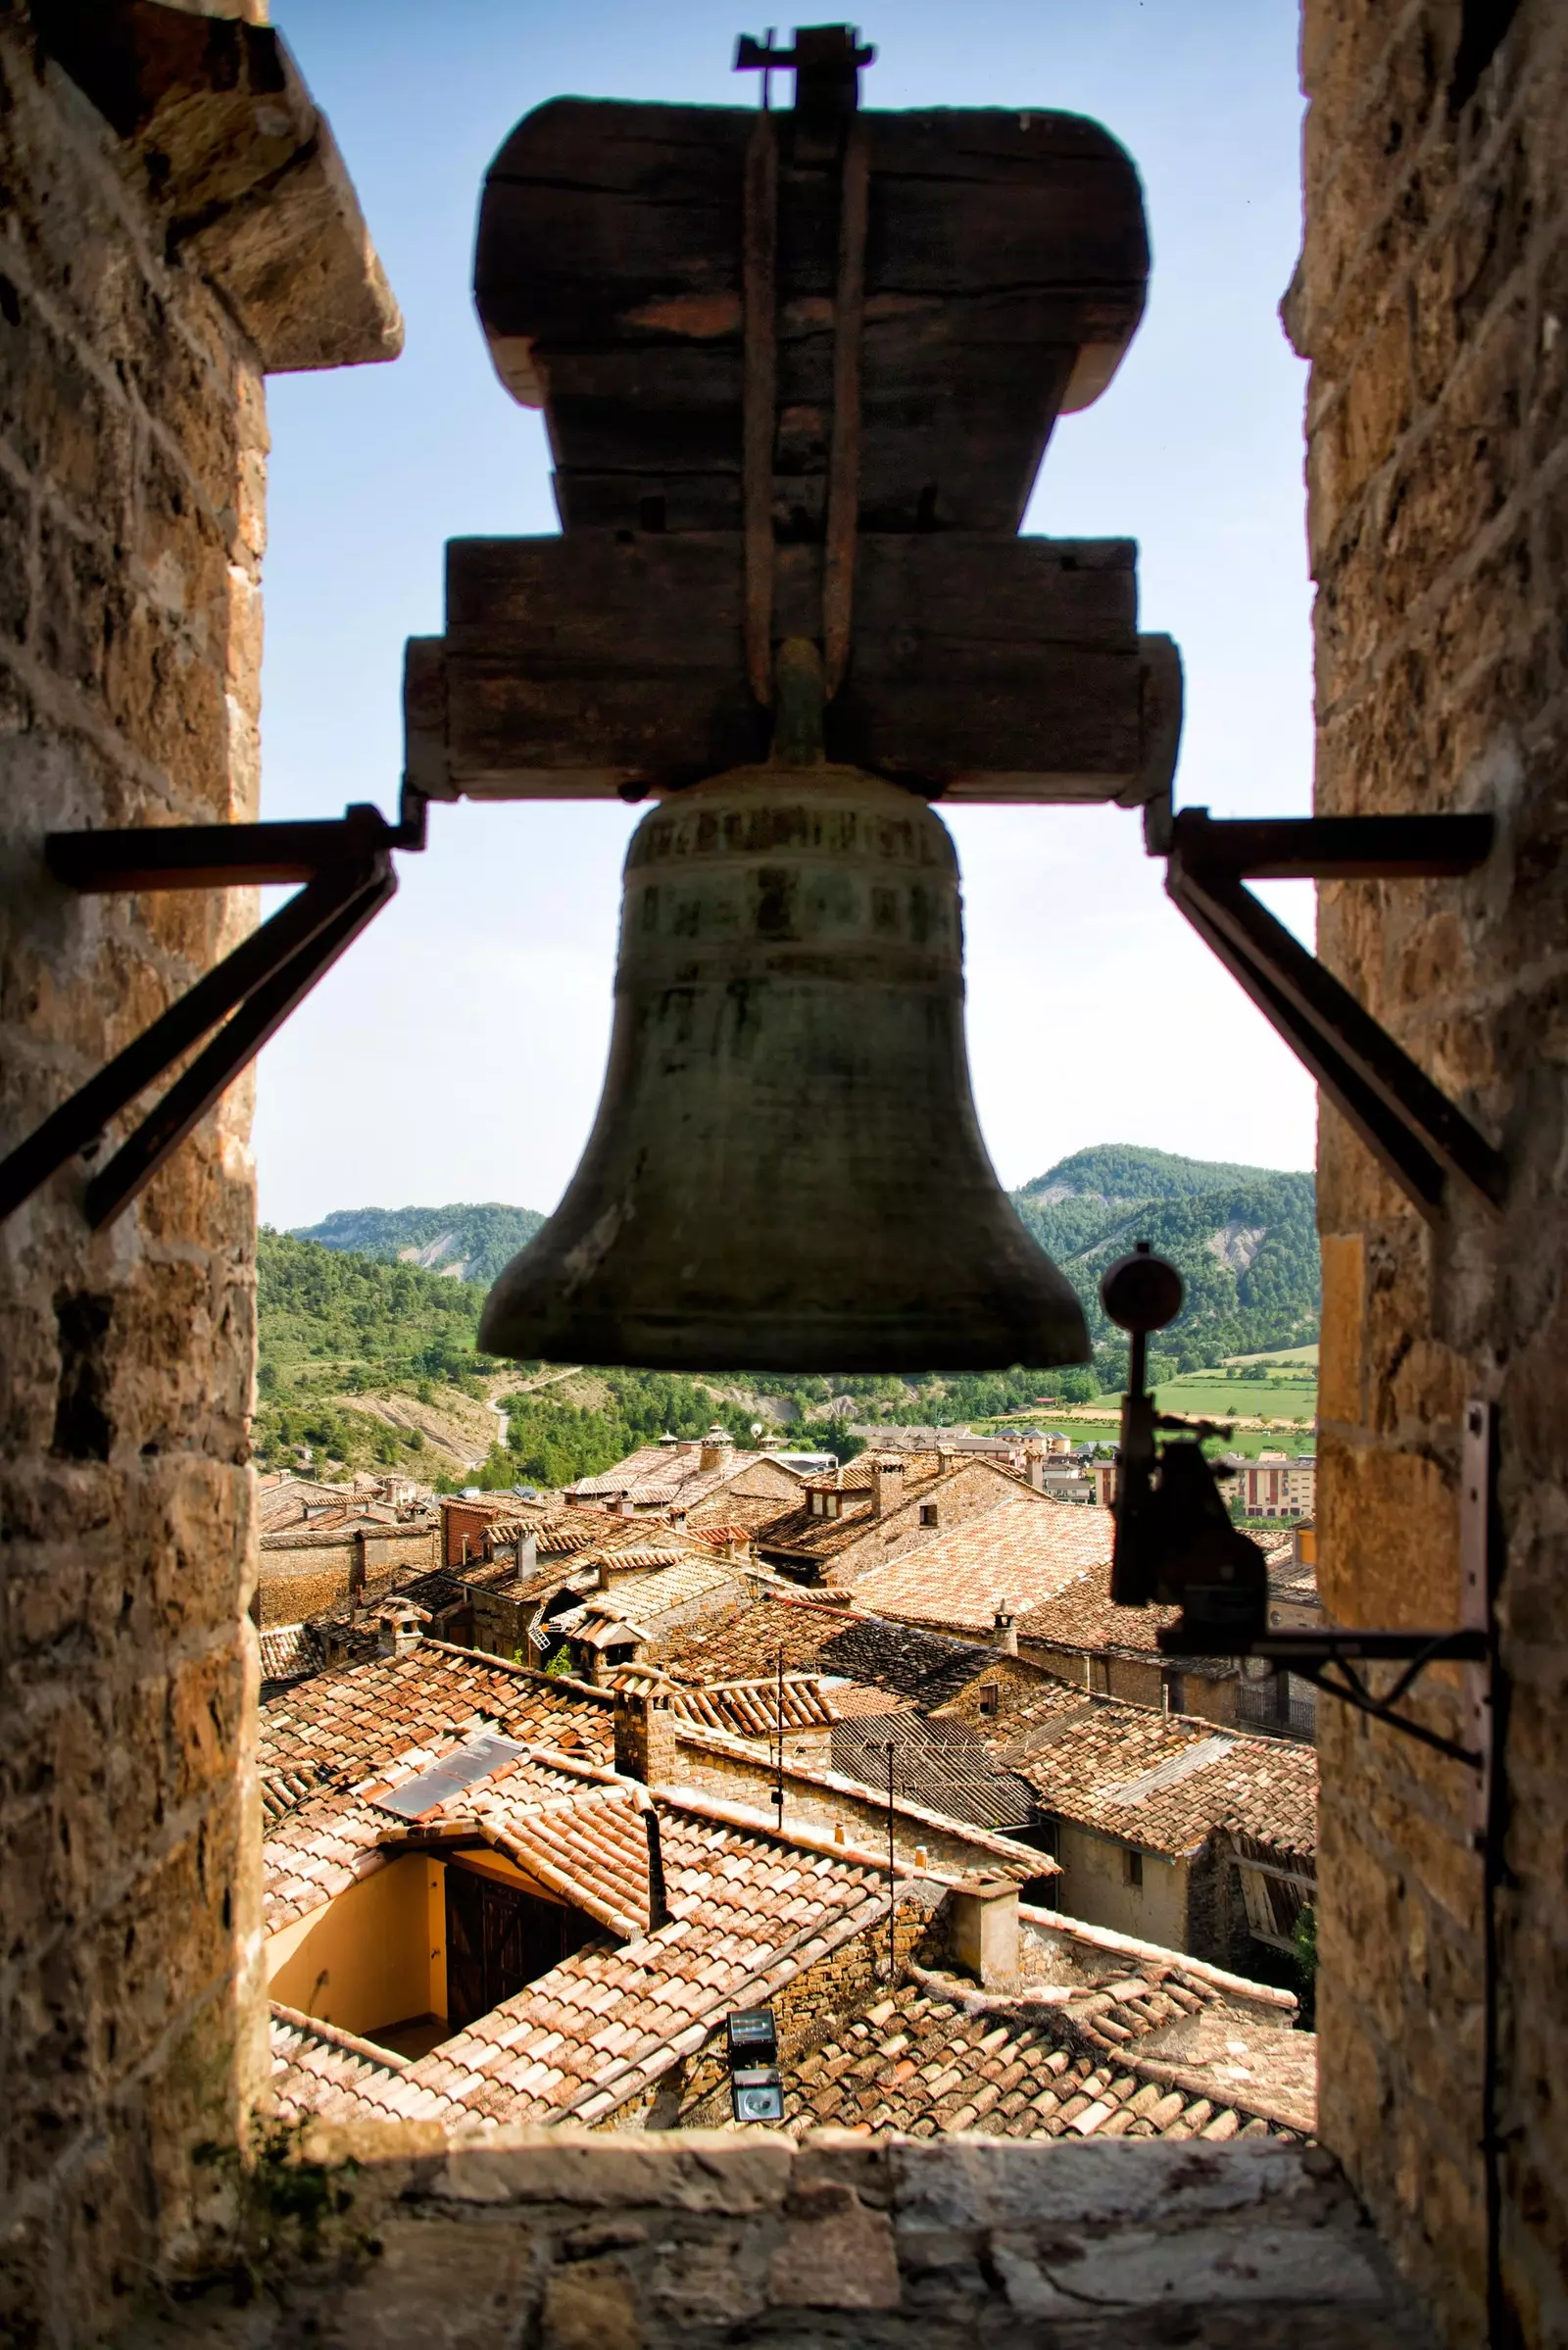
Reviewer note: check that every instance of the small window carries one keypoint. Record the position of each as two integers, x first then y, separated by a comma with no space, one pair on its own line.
928,1513
1133,1868
990,1697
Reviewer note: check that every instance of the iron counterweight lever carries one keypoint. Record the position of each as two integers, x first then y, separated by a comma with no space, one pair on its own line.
1176,1544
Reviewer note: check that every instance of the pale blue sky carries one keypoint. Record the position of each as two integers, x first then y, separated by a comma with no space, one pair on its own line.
457,1053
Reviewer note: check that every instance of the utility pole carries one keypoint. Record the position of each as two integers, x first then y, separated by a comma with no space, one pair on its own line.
778,1782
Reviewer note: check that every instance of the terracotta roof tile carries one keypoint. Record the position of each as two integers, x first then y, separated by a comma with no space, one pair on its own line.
835,1643
933,2056
1166,1782
1023,1552
342,1726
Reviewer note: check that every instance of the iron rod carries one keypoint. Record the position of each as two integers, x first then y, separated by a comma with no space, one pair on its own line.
234,1047
760,394
1333,848
1332,1013
1413,1166
78,1121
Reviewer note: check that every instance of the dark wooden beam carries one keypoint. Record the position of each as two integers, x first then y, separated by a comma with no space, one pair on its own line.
1004,266
614,662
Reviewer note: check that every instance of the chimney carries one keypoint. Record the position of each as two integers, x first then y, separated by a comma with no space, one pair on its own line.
625,1507
645,1736
719,1448
398,1630
1033,1461
985,1930
887,1483
1004,1638
527,1556
677,1518
657,1898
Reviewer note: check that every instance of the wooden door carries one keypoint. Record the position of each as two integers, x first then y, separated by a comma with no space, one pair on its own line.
500,1939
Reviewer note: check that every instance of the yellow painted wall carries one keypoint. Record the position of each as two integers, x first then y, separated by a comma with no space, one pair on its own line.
380,1947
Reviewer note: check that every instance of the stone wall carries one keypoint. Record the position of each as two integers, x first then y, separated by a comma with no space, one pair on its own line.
132,450
1432,299
704,2239
731,1771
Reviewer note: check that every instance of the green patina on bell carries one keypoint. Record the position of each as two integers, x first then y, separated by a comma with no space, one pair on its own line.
786,1172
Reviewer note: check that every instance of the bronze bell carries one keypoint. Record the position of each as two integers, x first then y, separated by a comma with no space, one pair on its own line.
786,1172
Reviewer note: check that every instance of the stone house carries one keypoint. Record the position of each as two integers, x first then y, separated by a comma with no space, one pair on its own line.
333,1556
711,1482
1170,1830
850,1519
1080,1637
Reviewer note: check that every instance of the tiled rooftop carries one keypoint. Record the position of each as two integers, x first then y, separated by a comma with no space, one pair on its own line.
837,1642
666,1475
752,1709
319,2070
1084,1616
1024,1551
343,1726
1166,1780
934,2057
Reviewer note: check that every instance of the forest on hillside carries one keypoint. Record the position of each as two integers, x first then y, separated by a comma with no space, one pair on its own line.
338,1323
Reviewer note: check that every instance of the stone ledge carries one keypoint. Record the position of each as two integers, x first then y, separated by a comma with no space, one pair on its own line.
243,169
568,2239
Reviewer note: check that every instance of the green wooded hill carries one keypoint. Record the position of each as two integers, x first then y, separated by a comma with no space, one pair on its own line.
343,1310
1243,1238
463,1243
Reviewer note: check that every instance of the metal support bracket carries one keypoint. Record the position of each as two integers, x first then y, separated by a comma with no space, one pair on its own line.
1328,1658
1404,1118
346,867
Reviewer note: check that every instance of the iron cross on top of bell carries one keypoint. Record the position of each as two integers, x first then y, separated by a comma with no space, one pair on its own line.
825,60
798,388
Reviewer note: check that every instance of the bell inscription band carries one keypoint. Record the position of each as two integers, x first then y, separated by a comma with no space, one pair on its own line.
786,1171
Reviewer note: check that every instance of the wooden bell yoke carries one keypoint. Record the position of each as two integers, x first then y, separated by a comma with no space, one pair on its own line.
798,371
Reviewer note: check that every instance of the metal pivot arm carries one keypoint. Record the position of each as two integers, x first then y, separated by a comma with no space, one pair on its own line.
347,869
1176,1546
1394,1108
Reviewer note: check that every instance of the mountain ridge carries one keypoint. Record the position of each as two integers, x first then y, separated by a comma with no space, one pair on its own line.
1244,1238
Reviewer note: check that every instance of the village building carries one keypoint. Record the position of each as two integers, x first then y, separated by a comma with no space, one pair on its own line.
999,1564
1083,1638
712,1481
1170,1830
850,1519
1272,1485
328,1553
